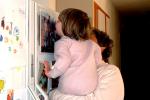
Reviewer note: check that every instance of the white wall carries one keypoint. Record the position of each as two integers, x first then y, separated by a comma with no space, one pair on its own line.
79,4
52,4
107,6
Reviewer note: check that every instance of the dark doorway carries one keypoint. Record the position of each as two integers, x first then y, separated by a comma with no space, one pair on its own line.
134,35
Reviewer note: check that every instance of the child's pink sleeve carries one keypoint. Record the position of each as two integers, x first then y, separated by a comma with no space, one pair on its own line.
62,57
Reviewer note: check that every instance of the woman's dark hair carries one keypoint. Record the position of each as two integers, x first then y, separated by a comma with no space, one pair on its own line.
75,23
104,41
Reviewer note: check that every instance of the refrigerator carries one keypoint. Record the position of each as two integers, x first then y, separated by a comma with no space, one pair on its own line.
25,26
13,49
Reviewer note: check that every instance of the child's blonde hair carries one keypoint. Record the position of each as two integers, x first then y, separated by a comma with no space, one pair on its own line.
75,23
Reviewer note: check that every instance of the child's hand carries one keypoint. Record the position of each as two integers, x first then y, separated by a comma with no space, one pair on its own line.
47,68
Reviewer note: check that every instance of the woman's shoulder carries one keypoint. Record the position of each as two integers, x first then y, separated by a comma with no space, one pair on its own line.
108,69
112,67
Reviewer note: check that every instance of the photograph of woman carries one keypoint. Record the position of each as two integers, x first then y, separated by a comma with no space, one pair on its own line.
48,34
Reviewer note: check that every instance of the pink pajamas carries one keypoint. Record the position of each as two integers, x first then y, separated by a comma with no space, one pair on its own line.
76,63
110,86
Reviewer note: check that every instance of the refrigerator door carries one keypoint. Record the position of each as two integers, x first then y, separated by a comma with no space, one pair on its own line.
13,49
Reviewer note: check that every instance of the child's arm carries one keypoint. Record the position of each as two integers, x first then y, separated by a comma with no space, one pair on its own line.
62,57
49,72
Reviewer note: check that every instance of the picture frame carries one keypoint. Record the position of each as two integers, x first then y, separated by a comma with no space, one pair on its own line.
101,18
43,84
48,35
42,78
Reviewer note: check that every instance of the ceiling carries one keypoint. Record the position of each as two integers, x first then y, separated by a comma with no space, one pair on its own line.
131,5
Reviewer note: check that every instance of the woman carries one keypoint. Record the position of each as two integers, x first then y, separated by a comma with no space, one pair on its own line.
110,83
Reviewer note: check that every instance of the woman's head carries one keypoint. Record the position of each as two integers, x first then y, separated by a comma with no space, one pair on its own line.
104,42
75,23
